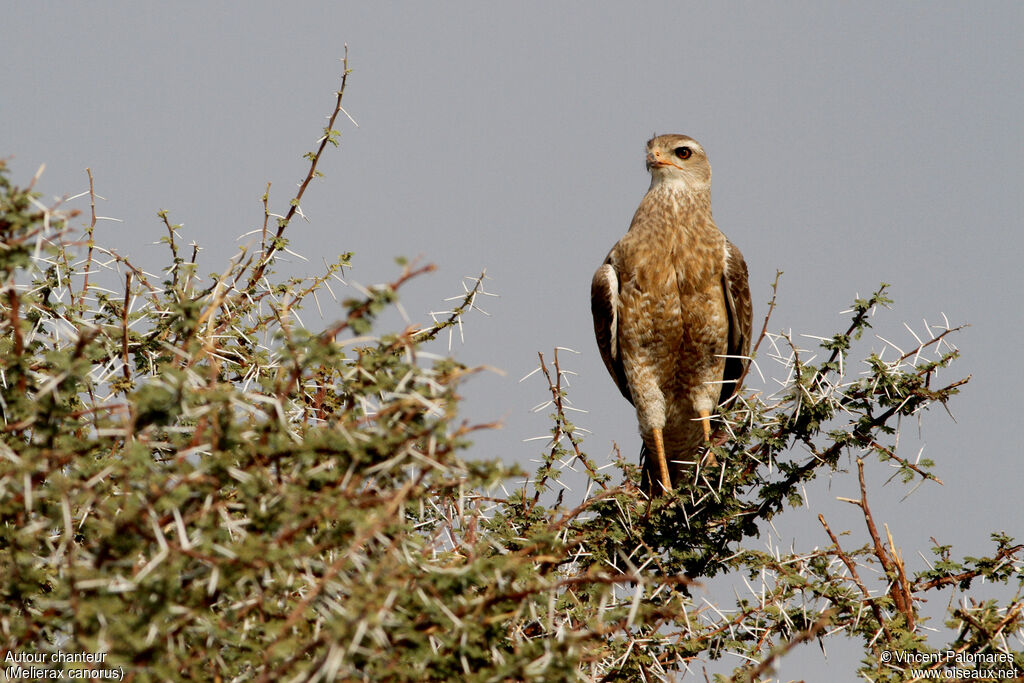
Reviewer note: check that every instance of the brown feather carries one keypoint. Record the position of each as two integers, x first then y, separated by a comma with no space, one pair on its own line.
738,302
604,294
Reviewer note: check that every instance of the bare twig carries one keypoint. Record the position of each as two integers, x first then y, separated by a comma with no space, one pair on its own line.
328,138
124,326
802,637
852,567
900,592
906,463
89,235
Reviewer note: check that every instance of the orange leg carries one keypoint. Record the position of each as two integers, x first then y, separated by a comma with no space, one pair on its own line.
705,421
659,450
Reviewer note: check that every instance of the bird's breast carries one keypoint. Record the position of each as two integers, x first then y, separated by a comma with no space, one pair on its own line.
673,320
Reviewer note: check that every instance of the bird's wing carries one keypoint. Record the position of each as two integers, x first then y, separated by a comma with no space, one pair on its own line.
604,304
737,301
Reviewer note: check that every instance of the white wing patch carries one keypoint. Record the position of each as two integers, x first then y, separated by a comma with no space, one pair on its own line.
612,287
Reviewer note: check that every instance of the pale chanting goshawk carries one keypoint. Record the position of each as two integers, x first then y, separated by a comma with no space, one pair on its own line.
672,311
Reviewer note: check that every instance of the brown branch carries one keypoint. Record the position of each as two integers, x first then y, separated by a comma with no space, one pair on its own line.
852,567
19,342
933,340
1010,616
902,584
556,395
363,309
802,637
139,274
266,219
174,248
431,332
584,580
906,463
124,325
858,321
89,232
582,507
978,626
957,578
310,174
900,591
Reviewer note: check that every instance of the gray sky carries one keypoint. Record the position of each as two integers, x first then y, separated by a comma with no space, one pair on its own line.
851,144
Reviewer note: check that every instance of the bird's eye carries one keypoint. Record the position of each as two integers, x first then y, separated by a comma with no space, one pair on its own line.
683,152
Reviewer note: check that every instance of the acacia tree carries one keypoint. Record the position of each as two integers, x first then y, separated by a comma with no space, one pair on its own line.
194,485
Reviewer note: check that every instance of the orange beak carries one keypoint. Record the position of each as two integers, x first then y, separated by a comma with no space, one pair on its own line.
655,158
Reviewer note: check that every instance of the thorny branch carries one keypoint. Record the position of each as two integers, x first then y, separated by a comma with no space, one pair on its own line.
329,137
890,562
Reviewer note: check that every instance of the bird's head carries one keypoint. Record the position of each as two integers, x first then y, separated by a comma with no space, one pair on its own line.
679,161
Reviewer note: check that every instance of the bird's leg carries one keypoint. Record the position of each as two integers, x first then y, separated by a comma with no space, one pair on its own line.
705,422
659,450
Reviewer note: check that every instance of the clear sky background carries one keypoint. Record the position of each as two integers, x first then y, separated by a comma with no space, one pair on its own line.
851,144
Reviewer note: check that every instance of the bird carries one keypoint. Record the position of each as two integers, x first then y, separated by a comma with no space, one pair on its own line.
672,311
